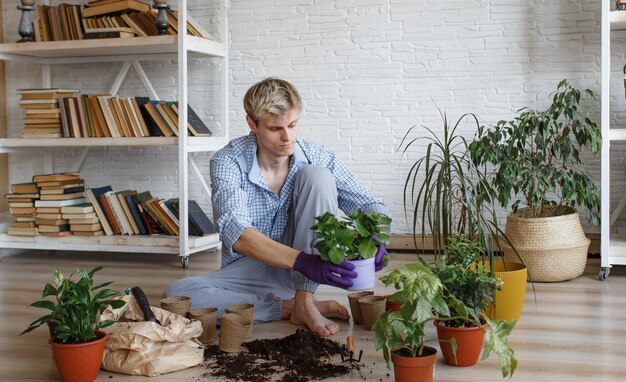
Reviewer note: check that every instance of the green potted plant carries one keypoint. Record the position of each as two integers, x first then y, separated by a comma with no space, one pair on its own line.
401,335
468,290
354,238
536,164
448,194
73,317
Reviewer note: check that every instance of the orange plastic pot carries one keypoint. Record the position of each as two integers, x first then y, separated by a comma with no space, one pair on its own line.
469,342
79,362
414,369
392,306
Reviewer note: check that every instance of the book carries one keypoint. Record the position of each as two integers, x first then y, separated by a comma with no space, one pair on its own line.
110,218
115,7
56,177
130,200
129,215
83,208
59,203
92,195
85,227
197,218
62,190
18,231
74,195
88,233
73,219
153,128
194,123
25,188
155,116
53,228
161,108
107,34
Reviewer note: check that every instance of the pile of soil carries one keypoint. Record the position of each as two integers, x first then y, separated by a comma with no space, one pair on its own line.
300,357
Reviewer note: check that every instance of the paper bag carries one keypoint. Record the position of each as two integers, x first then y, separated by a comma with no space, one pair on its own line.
137,347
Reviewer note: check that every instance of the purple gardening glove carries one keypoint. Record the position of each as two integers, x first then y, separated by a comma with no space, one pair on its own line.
325,272
381,254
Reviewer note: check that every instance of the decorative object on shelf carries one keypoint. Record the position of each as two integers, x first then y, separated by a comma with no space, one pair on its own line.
25,28
161,22
624,81
620,5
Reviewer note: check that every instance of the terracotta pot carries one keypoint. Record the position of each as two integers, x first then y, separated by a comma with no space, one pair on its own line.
232,332
79,362
469,342
392,306
414,369
355,308
371,308
246,311
208,319
177,304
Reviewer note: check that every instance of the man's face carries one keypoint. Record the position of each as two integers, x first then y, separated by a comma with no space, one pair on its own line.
277,136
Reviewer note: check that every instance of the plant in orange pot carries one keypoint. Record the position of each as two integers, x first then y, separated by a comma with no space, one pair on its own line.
77,342
468,289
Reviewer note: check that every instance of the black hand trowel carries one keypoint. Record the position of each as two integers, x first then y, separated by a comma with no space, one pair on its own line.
142,301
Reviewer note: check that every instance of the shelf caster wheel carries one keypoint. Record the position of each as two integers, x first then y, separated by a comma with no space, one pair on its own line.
604,273
184,261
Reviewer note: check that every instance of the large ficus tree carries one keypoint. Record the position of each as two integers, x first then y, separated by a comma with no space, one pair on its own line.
536,155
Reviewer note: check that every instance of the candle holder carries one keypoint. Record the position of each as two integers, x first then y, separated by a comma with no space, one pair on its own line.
161,21
25,29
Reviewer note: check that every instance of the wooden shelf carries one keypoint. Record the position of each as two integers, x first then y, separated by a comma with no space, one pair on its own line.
115,243
194,144
109,49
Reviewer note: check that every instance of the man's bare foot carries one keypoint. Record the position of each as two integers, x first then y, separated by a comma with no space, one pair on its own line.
312,314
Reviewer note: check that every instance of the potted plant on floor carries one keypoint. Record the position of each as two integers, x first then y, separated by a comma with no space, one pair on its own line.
448,194
77,342
536,161
355,238
402,335
468,289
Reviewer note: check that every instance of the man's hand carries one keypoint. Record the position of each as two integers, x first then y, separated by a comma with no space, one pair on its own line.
381,259
325,272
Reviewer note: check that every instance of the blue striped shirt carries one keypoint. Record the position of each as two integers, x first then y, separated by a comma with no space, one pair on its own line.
242,199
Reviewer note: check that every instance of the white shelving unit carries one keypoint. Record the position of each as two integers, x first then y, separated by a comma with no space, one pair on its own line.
130,51
613,248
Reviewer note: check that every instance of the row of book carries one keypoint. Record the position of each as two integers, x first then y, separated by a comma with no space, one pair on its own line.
55,205
56,113
104,19
52,205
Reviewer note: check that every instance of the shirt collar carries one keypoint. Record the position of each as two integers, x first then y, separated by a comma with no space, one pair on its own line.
252,164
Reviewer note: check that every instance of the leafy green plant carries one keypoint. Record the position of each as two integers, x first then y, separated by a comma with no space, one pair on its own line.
445,191
467,284
352,238
536,155
425,298
74,311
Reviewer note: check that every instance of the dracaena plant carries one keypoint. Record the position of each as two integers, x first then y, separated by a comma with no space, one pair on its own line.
356,237
75,307
424,298
536,156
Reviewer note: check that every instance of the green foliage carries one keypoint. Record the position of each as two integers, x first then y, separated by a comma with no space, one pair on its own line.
425,297
354,238
468,286
445,191
74,313
536,156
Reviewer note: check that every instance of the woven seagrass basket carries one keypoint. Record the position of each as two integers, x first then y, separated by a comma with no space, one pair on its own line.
553,248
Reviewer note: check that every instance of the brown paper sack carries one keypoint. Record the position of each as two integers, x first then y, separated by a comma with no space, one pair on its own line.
245,311
353,299
137,347
371,308
208,319
232,332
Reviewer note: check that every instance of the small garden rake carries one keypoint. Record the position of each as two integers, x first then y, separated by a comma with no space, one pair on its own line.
350,349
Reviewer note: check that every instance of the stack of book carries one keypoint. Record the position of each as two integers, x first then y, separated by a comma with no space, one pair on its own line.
132,213
22,207
42,118
82,219
57,191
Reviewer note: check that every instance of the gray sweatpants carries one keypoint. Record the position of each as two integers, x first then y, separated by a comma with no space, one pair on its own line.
249,281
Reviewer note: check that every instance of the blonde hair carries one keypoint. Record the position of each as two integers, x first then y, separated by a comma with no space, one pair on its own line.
271,98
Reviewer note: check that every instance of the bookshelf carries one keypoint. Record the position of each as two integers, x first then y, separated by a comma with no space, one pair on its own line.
613,247
179,47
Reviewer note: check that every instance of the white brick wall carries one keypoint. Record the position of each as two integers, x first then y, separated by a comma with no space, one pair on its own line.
368,70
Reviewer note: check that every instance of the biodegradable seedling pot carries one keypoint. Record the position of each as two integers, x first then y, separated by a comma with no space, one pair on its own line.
353,299
371,307
233,330
208,319
245,311
177,304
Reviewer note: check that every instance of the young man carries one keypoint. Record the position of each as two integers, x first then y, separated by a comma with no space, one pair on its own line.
268,187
